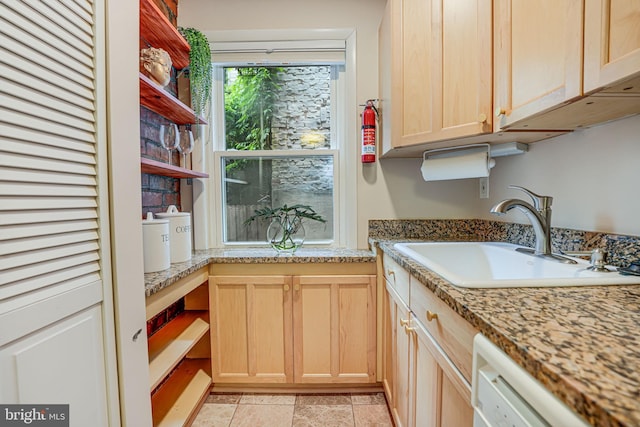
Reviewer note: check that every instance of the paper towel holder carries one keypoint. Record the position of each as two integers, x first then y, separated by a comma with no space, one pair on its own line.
467,161
495,150
461,150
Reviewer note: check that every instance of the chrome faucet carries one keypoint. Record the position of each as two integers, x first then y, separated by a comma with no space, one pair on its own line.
540,217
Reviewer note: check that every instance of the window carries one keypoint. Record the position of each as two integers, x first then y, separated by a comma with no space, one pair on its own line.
281,145
279,134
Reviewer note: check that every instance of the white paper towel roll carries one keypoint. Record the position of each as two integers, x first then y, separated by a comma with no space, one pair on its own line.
472,165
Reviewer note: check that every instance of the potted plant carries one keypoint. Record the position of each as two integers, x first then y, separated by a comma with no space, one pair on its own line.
199,72
286,232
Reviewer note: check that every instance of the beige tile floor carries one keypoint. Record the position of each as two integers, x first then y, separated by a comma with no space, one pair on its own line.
291,410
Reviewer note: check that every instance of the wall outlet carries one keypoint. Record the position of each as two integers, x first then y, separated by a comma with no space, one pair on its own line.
484,188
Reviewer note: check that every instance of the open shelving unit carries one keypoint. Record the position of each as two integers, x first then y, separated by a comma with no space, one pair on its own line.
180,352
190,383
155,167
157,31
172,343
164,103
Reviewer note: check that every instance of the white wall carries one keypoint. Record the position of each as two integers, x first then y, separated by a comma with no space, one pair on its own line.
593,176
390,188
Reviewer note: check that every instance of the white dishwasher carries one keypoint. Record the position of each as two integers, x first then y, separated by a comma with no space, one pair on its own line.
505,395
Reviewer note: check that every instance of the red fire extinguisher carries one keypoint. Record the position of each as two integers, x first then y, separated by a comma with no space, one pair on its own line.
369,132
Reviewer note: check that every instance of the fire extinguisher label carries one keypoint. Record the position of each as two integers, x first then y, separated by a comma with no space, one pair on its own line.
368,149
369,140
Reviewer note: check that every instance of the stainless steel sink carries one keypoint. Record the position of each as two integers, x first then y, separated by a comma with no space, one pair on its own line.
499,265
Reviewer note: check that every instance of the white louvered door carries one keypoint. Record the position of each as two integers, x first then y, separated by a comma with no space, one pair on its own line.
54,235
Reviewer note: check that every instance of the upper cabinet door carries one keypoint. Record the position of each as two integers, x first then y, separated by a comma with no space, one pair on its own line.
612,42
538,57
435,70
413,60
463,41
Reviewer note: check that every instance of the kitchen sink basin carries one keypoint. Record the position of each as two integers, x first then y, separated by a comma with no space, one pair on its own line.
499,265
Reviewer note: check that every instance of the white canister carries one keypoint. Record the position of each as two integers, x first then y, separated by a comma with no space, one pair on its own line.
180,231
156,244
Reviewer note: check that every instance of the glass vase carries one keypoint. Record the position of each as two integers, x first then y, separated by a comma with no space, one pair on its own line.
286,234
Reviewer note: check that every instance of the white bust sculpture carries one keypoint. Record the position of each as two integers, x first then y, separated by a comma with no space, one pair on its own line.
157,63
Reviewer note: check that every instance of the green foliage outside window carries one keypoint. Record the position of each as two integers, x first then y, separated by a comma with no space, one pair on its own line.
248,104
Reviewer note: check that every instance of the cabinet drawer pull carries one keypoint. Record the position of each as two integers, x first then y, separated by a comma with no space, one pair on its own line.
408,329
500,111
391,273
286,288
431,315
296,287
404,322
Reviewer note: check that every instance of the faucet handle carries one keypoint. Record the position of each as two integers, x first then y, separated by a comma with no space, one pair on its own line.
539,202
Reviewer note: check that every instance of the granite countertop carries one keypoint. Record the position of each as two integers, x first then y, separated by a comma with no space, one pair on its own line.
155,282
582,343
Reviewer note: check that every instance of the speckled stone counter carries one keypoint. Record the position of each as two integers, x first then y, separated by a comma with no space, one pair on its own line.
155,282
582,343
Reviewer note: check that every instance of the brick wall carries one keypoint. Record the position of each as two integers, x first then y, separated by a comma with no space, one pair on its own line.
158,192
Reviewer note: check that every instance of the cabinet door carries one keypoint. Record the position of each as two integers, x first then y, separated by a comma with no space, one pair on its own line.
413,61
334,329
442,395
60,364
612,42
251,329
428,382
455,409
463,42
537,58
401,407
440,75
388,337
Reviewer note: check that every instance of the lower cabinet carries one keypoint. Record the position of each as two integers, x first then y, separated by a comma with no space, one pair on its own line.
334,329
400,373
251,329
442,395
424,387
288,329
179,352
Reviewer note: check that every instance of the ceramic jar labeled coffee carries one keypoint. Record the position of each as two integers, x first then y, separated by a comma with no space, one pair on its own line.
180,233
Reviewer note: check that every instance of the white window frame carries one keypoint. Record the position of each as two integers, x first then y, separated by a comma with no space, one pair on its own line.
343,147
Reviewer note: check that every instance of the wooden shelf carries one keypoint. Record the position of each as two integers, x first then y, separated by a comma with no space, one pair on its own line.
171,344
155,167
164,103
177,399
156,30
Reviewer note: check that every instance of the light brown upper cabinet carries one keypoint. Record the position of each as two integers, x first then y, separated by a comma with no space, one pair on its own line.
555,63
538,57
611,44
456,72
435,65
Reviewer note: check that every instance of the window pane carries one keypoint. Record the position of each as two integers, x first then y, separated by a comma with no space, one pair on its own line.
252,183
277,108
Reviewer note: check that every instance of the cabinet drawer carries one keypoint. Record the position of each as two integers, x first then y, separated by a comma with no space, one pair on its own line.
448,328
397,277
